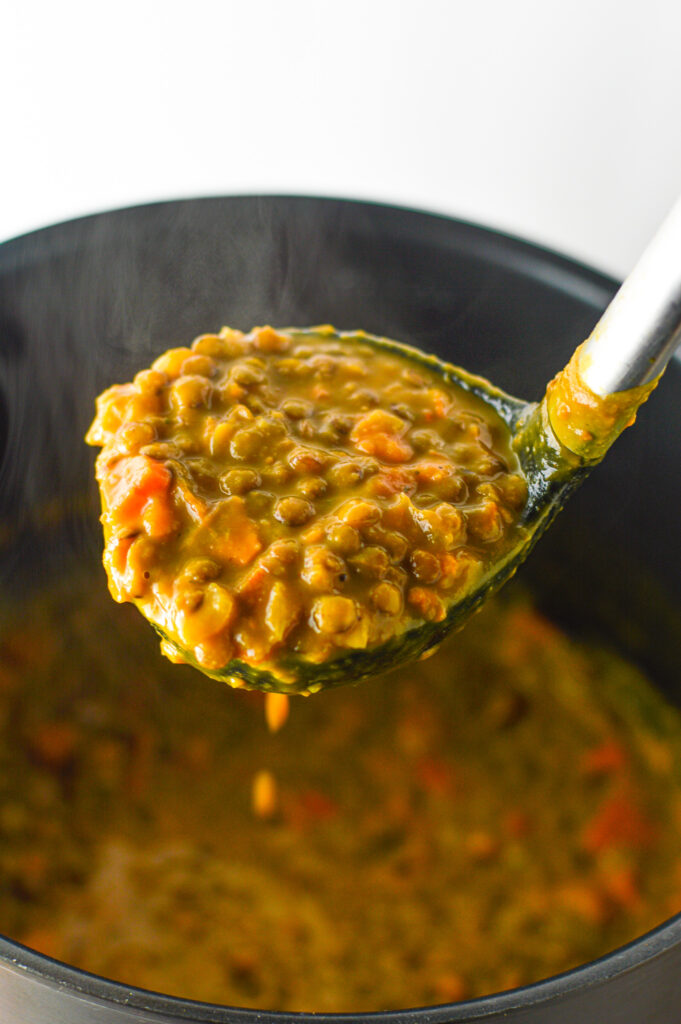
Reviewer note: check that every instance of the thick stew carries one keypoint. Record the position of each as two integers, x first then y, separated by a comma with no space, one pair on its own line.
501,812
298,495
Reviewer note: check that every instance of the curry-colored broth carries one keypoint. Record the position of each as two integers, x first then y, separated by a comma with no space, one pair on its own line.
501,812
275,501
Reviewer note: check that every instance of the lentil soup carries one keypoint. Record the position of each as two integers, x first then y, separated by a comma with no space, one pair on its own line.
283,498
503,811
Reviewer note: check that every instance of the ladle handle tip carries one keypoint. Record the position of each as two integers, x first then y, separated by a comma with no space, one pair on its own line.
641,328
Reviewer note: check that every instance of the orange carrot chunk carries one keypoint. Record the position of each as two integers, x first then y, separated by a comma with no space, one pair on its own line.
236,540
379,433
618,823
137,494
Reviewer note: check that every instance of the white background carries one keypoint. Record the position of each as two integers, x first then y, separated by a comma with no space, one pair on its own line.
557,121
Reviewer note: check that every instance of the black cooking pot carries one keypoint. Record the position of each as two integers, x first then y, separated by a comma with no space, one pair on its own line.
87,303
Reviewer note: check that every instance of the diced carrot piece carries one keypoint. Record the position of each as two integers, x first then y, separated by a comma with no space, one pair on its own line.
386,446
158,518
517,823
252,585
439,401
378,421
392,481
45,940
318,804
432,472
111,409
240,546
136,491
314,534
379,433
310,807
482,846
54,743
132,480
622,886
451,568
585,900
197,508
236,535
451,987
435,775
608,757
427,603
234,391
268,340
619,822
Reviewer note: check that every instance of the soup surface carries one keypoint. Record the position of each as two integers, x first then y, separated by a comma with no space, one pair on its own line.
505,810
281,498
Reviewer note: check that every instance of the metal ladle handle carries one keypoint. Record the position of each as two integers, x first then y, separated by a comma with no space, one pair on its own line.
641,328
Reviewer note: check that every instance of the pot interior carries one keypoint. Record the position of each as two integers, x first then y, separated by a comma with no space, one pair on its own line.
86,304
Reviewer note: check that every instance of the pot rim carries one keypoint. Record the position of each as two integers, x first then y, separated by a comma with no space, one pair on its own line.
61,976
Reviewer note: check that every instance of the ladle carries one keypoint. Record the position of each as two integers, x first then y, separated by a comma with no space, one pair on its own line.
558,441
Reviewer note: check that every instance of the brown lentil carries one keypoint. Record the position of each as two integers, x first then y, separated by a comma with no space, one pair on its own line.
239,481
280,555
293,511
247,443
425,566
201,365
311,487
136,435
371,562
345,474
344,539
322,570
200,570
334,614
387,597
247,375
296,410
259,502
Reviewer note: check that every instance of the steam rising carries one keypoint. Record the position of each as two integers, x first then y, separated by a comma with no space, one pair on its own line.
86,304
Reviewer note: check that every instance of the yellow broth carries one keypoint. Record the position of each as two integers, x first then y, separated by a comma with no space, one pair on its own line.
503,811
298,495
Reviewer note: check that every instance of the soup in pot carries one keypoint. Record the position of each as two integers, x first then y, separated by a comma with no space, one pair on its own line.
505,810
